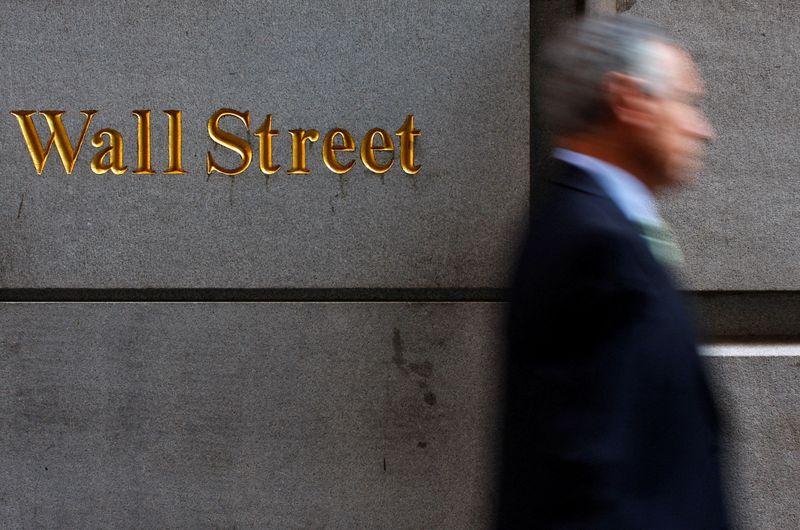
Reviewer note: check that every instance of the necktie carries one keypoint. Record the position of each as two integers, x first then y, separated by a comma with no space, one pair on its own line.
659,238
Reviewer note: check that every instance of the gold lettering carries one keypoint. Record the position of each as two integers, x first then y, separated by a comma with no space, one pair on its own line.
58,136
329,149
265,134
368,149
407,133
238,145
175,143
144,165
299,137
114,151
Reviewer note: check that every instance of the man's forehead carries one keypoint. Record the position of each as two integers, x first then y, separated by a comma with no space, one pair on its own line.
682,71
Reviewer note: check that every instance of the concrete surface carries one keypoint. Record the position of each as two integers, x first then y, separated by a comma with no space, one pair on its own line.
757,388
256,415
303,415
462,68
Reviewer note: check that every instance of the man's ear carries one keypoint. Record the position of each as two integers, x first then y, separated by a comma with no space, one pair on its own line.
629,101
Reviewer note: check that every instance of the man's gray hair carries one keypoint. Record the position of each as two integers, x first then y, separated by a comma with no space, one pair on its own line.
575,64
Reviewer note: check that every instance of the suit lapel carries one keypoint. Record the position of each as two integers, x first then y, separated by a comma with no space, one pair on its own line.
572,177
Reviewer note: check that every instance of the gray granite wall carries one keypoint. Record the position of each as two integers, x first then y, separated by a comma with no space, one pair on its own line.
304,415
350,377
261,415
460,67
268,414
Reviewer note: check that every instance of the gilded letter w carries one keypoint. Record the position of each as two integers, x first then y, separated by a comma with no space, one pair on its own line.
57,134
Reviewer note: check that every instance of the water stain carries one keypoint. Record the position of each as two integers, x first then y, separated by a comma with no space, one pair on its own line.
412,370
424,369
430,398
397,346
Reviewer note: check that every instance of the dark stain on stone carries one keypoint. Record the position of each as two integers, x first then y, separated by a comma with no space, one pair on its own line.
397,346
422,445
13,347
421,369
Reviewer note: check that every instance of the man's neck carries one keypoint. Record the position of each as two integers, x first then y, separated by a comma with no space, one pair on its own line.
607,150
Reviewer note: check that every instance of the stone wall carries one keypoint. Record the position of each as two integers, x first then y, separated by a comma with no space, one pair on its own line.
329,354
322,350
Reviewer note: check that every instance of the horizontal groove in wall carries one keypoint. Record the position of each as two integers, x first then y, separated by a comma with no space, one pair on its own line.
749,315
255,295
736,315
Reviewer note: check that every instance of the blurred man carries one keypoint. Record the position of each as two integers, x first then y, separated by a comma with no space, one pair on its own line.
609,420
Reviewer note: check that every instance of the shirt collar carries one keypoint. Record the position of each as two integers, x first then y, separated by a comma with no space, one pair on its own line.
627,192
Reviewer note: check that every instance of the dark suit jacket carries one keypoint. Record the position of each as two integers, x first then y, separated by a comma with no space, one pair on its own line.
609,421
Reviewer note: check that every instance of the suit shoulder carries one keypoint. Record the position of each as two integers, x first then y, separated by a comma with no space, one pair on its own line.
576,214
577,237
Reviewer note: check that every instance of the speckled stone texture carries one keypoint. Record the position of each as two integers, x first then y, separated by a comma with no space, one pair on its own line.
462,68
304,415
760,399
739,224
265,415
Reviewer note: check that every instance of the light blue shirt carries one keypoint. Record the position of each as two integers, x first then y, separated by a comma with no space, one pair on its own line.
627,192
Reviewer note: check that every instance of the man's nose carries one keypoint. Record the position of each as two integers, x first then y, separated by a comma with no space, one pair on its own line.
703,128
